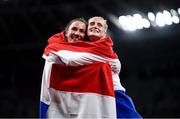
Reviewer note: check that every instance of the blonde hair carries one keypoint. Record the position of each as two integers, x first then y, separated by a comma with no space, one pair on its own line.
105,21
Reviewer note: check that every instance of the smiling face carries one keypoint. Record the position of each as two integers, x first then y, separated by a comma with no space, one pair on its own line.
76,31
97,28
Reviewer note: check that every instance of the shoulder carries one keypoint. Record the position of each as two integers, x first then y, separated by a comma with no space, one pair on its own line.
57,38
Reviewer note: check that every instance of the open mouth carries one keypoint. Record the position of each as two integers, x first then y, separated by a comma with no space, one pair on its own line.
75,38
94,30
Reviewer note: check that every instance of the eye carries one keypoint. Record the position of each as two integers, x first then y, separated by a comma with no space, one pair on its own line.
82,30
92,23
74,28
99,24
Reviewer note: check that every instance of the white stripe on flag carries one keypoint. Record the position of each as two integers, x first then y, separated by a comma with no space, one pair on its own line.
74,58
81,105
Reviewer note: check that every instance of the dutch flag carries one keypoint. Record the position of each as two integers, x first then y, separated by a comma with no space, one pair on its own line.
81,80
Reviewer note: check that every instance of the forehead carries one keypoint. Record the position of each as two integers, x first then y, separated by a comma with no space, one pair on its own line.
78,24
97,19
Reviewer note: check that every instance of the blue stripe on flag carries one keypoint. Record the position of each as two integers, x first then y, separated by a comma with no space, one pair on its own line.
124,106
43,110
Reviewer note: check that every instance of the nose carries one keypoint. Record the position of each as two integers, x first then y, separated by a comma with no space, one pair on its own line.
95,25
77,32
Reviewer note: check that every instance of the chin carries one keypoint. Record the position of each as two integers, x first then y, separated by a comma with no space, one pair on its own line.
94,37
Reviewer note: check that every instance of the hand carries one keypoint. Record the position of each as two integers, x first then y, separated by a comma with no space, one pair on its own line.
115,68
54,58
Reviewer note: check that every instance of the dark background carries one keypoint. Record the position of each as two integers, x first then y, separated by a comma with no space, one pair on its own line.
150,57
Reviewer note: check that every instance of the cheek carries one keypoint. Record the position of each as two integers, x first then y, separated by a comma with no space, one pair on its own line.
82,34
67,35
70,33
103,32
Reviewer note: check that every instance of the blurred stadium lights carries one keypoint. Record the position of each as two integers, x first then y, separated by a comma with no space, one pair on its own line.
173,12
179,11
175,19
160,19
132,23
146,23
151,16
167,17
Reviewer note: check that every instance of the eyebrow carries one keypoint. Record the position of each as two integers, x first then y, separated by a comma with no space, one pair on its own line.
74,27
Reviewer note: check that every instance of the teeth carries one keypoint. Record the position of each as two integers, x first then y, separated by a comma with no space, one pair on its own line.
73,38
94,30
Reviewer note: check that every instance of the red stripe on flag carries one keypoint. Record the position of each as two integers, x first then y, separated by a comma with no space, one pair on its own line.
94,78
102,47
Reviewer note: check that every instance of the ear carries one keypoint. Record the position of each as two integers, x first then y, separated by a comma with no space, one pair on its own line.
65,33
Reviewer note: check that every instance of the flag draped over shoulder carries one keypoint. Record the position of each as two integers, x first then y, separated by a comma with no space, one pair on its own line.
81,80
79,91
102,47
